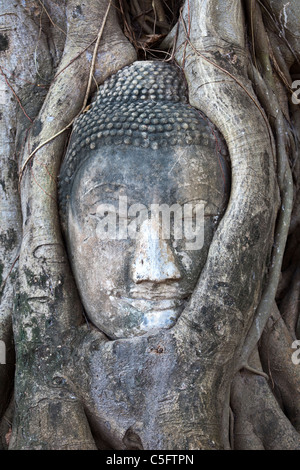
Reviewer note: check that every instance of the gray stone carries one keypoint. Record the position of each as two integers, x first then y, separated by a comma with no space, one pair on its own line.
138,150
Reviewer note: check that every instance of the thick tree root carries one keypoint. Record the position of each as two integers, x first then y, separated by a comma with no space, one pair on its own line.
285,181
48,309
276,355
259,422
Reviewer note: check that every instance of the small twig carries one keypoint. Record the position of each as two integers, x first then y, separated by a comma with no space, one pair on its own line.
155,16
252,7
159,9
9,273
41,188
156,23
256,371
42,145
51,21
142,13
187,33
74,58
137,11
17,98
9,422
88,89
175,40
5,14
36,48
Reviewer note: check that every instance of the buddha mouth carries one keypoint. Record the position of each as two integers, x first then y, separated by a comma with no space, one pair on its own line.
157,292
156,313
154,305
149,306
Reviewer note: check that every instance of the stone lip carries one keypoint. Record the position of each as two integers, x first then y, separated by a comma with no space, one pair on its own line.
147,304
139,318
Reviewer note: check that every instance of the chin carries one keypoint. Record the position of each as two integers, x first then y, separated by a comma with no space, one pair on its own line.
161,318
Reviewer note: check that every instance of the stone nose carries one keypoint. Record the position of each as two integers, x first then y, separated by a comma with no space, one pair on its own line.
153,260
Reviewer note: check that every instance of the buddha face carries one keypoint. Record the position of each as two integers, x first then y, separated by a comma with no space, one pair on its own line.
135,272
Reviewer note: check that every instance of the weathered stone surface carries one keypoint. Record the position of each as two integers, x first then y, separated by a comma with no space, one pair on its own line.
143,105
138,152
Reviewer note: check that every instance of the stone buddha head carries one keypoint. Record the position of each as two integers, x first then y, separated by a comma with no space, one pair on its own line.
142,188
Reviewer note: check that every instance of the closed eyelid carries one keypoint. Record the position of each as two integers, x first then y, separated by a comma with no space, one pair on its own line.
109,190
110,187
97,215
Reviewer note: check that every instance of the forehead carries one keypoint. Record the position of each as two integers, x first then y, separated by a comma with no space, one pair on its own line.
176,173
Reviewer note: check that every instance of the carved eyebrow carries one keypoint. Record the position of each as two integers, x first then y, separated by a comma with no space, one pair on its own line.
105,191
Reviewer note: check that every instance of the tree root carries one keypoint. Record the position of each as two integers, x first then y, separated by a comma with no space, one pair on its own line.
285,182
276,355
259,422
289,305
43,274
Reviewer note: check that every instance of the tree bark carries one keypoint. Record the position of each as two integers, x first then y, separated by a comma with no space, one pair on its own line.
175,389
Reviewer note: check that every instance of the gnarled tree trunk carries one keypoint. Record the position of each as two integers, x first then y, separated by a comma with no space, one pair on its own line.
223,376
